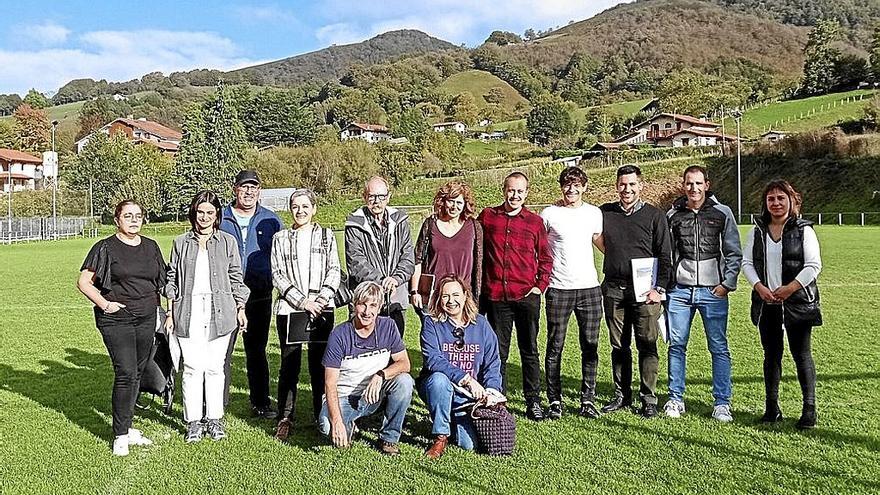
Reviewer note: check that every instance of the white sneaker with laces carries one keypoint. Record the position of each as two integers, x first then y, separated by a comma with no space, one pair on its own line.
136,437
722,413
673,408
120,445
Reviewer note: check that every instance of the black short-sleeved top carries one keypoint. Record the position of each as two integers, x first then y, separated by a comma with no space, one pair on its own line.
131,275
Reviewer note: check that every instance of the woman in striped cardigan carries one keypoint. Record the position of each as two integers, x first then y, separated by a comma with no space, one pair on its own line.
305,270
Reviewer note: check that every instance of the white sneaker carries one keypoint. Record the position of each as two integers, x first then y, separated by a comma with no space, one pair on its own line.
137,438
120,445
722,413
673,408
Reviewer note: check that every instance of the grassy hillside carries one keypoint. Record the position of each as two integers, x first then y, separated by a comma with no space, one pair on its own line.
624,108
69,112
804,114
478,83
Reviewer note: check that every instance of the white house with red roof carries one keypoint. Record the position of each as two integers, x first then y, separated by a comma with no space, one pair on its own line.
371,133
18,170
140,131
670,130
459,127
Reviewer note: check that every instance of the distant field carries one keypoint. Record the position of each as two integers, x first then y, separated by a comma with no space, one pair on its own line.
66,113
802,115
491,149
478,83
625,108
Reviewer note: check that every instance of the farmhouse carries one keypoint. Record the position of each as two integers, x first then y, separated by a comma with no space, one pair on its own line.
18,170
371,133
140,131
459,127
669,130
773,136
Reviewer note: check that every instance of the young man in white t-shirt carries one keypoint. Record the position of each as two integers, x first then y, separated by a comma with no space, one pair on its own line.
573,226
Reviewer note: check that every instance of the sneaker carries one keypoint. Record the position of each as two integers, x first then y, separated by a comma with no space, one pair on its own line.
388,448
554,411
194,431
648,410
136,437
264,412
215,430
534,411
120,445
282,431
588,410
673,408
722,413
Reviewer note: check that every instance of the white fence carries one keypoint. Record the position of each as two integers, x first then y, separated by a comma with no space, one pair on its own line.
861,218
45,228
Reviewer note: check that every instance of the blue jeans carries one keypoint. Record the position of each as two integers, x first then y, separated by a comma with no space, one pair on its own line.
396,395
683,303
441,398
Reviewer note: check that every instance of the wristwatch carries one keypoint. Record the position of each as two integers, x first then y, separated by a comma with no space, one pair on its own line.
413,292
381,373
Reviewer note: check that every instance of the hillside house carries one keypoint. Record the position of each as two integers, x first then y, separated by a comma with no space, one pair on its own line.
18,170
773,136
459,127
139,131
371,133
669,130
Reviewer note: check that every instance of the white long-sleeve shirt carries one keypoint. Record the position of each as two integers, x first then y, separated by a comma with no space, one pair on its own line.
773,260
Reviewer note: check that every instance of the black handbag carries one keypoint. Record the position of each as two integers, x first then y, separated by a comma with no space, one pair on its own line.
496,429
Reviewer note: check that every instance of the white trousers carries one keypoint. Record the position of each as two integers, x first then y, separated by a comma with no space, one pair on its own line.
203,359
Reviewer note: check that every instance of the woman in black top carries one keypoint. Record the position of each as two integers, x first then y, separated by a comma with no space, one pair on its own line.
122,276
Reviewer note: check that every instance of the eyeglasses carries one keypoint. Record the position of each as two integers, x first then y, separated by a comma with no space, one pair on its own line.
249,187
377,198
137,217
458,333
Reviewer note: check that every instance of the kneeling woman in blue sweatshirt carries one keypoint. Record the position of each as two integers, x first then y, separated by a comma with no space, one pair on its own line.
461,363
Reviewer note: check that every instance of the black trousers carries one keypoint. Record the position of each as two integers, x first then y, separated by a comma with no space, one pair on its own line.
799,337
586,304
258,311
399,317
129,340
291,362
624,316
525,314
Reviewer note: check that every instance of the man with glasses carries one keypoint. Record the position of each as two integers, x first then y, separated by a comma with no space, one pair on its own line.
253,227
366,367
379,248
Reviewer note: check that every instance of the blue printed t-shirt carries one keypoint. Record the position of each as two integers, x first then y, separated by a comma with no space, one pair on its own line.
357,358
243,223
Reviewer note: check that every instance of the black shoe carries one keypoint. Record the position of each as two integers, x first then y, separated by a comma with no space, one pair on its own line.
264,412
534,411
808,418
554,411
771,416
648,410
616,404
588,410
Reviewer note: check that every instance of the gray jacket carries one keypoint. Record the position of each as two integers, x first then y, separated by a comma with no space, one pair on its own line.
227,283
363,255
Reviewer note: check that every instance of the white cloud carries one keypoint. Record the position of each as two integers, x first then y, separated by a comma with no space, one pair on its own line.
457,21
263,14
118,56
46,34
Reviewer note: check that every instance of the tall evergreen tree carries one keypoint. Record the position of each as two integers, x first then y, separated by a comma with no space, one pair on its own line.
820,58
212,148
875,54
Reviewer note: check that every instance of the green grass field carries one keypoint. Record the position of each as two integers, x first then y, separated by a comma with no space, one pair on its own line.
624,108
802,115
55,381
478,83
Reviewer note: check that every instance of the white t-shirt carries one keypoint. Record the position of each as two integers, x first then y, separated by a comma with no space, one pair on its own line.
570,234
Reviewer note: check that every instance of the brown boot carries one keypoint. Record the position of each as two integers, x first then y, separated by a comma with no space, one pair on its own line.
438,447
283,429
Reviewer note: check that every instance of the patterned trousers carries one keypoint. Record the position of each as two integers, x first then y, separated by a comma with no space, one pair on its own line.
586,304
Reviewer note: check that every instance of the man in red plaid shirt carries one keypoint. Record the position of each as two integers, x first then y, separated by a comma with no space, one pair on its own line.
516,271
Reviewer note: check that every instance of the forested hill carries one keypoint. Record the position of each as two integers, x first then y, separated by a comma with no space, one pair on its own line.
663,34
332,62
858,14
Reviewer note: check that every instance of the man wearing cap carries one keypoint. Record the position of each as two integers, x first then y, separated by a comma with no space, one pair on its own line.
253,226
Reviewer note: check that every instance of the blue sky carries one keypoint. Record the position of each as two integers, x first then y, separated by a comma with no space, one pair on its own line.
46,44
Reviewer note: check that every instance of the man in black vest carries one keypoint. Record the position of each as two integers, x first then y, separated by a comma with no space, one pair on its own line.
633,229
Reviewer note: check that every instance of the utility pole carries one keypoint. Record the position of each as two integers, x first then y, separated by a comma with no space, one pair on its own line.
737,116
54,185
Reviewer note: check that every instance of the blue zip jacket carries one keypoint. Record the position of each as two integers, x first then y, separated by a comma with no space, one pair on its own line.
478,356
255,255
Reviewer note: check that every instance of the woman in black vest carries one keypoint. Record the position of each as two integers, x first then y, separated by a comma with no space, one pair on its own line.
781,262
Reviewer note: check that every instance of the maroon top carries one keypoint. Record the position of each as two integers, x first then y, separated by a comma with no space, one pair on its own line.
452,254
516,254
